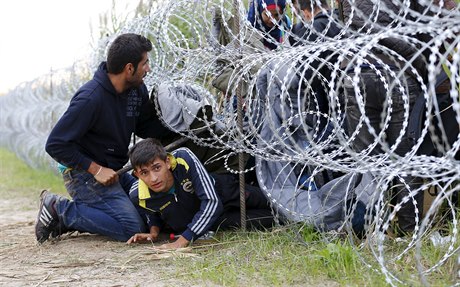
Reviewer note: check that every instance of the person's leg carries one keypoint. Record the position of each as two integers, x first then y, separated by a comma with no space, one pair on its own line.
377,109
258,210
98,209
255,198
399,115
396,133
408,210
260,219
367,93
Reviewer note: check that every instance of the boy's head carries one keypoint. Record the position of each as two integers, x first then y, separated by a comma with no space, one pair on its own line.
151,164
271,10
309,8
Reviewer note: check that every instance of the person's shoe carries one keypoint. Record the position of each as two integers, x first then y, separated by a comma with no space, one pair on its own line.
60,230
47,219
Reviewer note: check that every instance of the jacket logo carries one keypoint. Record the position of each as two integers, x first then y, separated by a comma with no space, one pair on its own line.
165,205
187,186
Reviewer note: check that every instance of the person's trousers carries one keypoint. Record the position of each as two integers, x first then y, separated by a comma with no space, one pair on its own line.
98,209
259,214
376,112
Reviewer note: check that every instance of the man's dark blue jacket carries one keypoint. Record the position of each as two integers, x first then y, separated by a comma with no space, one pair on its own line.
98,124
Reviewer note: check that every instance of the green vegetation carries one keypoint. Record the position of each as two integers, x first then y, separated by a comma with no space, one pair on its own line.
287,257
293,255
19,179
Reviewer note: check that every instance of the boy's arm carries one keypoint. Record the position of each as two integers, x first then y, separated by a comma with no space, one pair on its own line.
211,205
153,220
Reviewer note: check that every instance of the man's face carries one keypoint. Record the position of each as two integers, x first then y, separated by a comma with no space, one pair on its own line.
275,16
136,78
157,175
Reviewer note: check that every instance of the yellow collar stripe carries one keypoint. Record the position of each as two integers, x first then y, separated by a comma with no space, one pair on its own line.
144,192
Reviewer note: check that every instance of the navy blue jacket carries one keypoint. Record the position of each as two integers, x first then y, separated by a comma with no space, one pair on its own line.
191,208
98,124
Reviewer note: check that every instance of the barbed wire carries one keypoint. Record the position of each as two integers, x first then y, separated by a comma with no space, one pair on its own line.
310,158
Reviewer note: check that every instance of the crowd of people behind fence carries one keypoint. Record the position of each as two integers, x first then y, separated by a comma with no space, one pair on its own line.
378,90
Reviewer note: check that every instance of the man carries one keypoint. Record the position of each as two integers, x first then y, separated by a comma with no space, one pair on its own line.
384,91
175,191
90,141
318,24
321,17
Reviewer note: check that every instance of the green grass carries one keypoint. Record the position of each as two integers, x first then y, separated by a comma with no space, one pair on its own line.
279,258
298,256
293,255
19,179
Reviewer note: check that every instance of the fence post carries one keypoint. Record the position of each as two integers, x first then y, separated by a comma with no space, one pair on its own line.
241,161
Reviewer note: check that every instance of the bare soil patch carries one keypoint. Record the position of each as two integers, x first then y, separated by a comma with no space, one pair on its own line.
76,259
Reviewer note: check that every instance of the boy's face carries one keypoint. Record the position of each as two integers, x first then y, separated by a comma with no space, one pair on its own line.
156,174
271,15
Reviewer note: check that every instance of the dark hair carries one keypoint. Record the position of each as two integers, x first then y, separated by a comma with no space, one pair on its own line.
311,5
146,151
125,49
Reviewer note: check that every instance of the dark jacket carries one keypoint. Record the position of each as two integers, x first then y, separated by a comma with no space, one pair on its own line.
190,208
98,124
324,27
366,22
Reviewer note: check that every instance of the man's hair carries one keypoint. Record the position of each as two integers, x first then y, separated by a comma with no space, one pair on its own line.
311,5
146,151
126,48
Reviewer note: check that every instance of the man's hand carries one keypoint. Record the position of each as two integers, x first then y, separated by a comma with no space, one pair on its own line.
106,176
181,242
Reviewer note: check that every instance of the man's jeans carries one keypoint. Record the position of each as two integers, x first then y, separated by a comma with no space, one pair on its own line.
94,208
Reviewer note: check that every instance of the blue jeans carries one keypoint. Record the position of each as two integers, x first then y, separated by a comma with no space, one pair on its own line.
94,208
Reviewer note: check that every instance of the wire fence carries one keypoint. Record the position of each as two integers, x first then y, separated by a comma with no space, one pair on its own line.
361,122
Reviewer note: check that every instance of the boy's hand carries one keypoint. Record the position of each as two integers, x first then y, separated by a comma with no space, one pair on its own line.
181,242
142,237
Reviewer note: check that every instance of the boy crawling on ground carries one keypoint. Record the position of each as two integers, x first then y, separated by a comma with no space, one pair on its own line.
175,192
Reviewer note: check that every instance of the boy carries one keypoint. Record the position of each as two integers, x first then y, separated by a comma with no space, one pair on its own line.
176,191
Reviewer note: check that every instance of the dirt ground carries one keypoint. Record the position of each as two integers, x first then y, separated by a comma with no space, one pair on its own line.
78,259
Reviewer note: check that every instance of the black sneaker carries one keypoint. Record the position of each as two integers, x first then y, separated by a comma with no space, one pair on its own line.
47,219
60,230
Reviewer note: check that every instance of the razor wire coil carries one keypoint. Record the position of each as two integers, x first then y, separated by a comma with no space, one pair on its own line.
185,52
